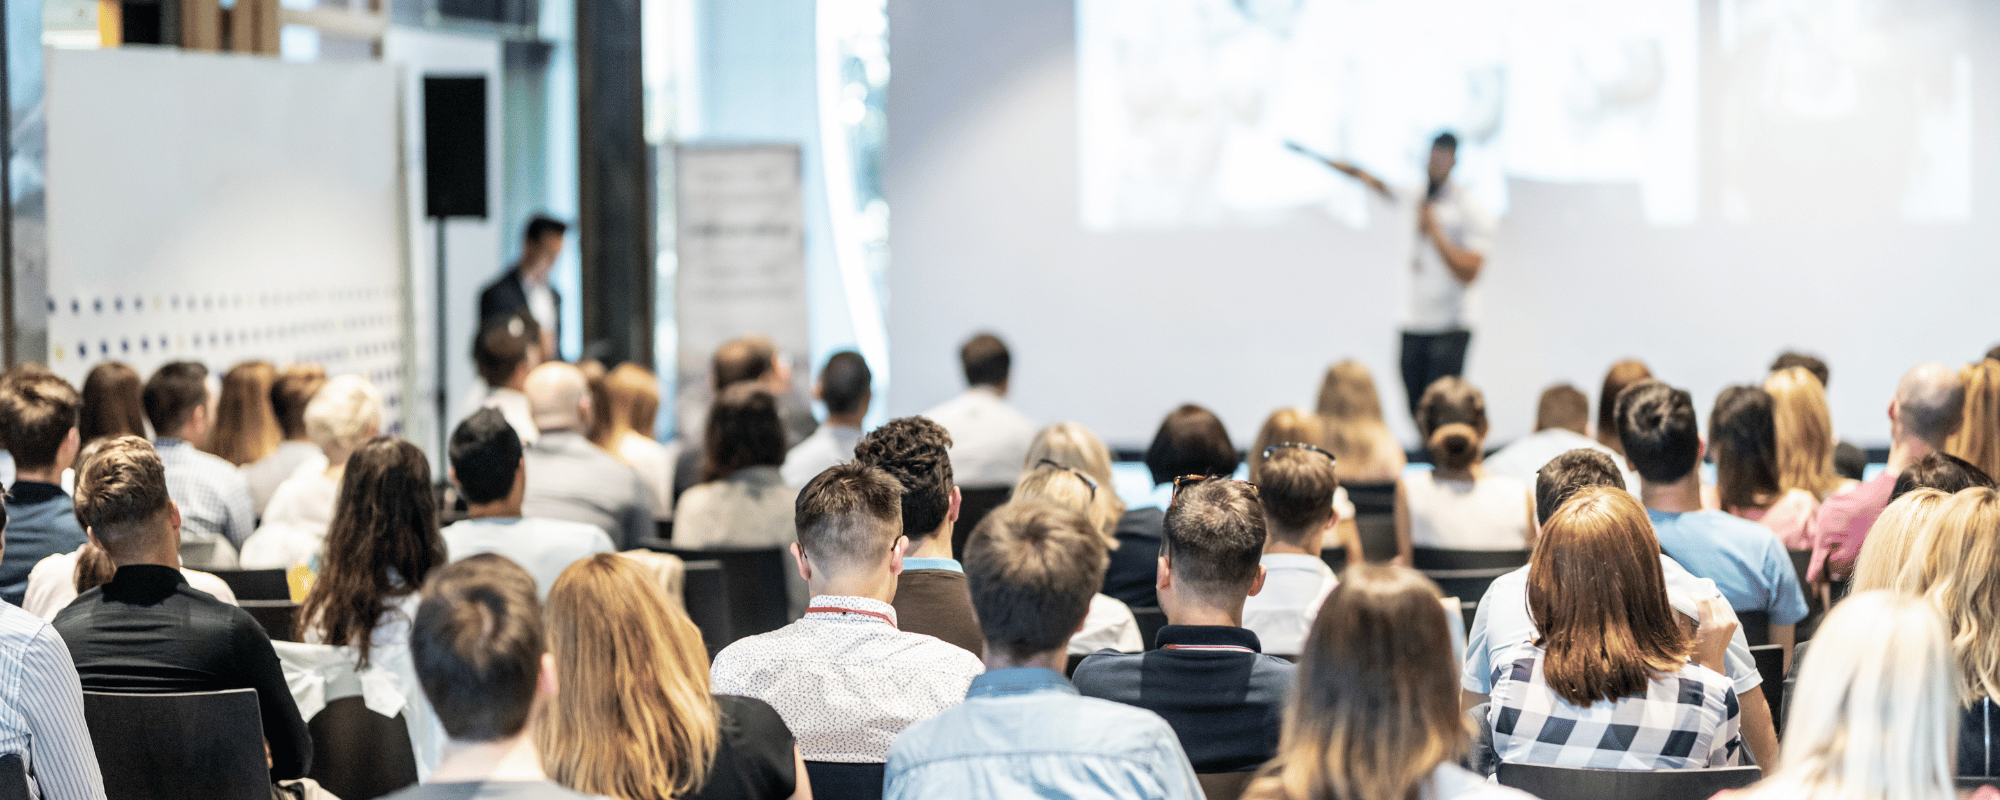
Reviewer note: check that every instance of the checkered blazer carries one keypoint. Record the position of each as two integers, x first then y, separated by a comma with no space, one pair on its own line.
1685,720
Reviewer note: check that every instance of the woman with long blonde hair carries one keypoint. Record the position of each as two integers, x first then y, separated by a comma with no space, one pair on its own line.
1355,432
1873,714
1805,432
1978,437
1110,622
631,396
246,427
1072,446
1965,587
1374,710
632,718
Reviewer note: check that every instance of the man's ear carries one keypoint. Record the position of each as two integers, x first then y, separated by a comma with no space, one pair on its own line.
896,554
805,567
174,513
957,499
1258,584
1166,579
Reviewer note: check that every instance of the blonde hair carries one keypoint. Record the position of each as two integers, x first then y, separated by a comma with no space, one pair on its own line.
632,399
1897,555
1073,446
1805,432
1978,437
1966,587
344,413
1352,410
246,428
633,718
1285,426
1875,718
1064,488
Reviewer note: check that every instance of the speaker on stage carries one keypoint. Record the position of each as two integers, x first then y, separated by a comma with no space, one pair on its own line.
454,146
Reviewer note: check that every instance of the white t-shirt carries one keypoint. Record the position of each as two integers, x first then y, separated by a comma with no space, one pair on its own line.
989,439
1488,514
1437,301
655,464
296,522
1525,456
543,547
831,444
1108,624
1294,587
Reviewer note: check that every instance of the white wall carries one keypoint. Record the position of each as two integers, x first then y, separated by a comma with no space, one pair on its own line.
1114,329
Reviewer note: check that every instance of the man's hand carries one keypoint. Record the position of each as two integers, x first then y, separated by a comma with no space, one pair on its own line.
1712,634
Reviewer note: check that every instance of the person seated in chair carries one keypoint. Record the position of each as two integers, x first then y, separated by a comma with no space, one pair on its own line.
486,466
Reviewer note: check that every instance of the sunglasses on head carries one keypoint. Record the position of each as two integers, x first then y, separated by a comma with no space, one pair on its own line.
1268,451
1087,480
1186,481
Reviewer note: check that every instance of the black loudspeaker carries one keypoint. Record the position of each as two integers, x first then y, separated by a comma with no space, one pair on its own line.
454,147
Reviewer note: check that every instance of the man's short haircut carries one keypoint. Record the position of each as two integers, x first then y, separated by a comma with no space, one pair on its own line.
121,489
1941,471
542,225
38,409
173,393
1215,537
917,453
503,345
1191,441
1810,363
1563,406
849,515
1032,569
485,454
1565,475
844,382
741,360
986,360
1657,426
1616,380
290,394
1930,402
1297,487
477,646
1445,140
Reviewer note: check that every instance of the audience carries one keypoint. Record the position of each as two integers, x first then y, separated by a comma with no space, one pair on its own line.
743,500
1191,441
147,630
214,500
478,644
1296,489
487,468
1355,431
844,388
1502,620
1068,445
1871,717
753,360
989,437
343,415
1849,462
1746,560
290,394
1209,678
1022,731
1804,429
931,593
113,403
632,399
1965,586
633,718
1458,505
38,415
1110,625
1925,411
381,546
505,351
1941,471
1977,439
1608,683
1621,375
573,479
1297,426
1373,722
1561,421
845,679
246,429
1742,437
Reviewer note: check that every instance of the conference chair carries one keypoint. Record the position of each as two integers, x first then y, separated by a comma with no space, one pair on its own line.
1335,558
837,781
189,746
1770,659
1224,785
359,754
1375,518
1576,783
1465,574
278,618
753,588
255,584
1150,620
13,778
973,506
1816,603
1756,627
1966,784
705,594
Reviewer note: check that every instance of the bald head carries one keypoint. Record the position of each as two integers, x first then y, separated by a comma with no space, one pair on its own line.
558,396
1929,403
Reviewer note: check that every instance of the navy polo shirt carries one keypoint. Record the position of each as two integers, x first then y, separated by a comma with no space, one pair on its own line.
1213,684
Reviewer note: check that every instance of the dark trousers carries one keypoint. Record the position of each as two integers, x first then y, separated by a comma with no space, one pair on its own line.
1430,356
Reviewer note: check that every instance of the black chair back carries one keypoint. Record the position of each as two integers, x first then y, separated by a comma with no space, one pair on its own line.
1378,536
193,746
1966,784
256,584
1151,620
705,595
1334,557
1465,574
1815,608
1770,660
359,754
752,596
1575,783
834,781
1371,498
973,506
278,618
13,778
1756,627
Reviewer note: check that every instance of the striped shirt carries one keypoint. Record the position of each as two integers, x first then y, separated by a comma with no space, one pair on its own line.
41,709
213,496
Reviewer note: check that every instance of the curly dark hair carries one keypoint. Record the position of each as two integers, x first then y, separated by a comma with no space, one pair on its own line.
917,453
382,544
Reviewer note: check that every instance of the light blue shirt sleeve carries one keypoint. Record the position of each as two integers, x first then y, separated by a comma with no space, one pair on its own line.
61,755
1477,676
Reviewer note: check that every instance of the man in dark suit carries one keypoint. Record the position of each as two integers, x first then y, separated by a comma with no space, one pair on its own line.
526,285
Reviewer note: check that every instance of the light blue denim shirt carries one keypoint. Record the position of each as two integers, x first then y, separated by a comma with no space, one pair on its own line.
1026,733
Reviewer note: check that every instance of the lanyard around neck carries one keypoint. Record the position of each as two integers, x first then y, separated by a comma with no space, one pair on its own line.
845,610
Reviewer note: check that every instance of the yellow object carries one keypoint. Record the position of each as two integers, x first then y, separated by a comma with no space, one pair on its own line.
300,580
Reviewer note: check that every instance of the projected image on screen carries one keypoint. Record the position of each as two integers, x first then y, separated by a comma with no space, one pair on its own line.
1186,105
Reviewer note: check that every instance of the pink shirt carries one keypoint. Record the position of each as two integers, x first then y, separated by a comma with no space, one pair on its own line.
1787,518
1842,522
